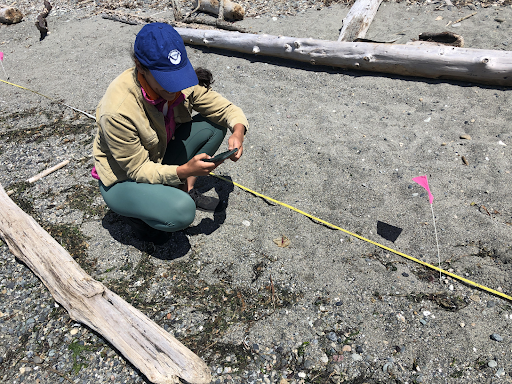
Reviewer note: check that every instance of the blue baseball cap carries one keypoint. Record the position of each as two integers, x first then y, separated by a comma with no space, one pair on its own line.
160,49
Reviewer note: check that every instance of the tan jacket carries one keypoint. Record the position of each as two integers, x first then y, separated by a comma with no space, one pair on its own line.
131,139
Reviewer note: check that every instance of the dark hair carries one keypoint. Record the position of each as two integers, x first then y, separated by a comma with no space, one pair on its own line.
204,76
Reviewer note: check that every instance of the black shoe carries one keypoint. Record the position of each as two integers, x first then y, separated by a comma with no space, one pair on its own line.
206,203
147,233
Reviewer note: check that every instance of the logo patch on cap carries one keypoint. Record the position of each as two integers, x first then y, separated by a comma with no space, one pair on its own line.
174,57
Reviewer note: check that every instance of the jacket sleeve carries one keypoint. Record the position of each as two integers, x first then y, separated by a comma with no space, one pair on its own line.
128,150
216,108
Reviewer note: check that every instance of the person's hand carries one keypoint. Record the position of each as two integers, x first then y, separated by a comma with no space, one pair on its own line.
236,141
196,167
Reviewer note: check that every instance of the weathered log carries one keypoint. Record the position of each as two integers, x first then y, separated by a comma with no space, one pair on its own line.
358,19
41,23
136,19
436,62
157,354
10,15
232,11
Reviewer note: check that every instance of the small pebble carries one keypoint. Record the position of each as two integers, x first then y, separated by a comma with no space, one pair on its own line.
332,336
496,337
37,360
492,363
302,375
465,137
246,223
346,348
405,274
356,357
359,349
500,372
339,303
423,321
387,367
490,304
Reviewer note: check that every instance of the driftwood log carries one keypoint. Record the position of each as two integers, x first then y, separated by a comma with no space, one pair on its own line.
231,11
193,21
358,20
157,354
41,23
435,62
10,15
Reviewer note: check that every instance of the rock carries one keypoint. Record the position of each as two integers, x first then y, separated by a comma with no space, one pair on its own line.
332,336
496,337
491,304
405,274
74,331
255,347
492,364
318,323
302,375
500,372
308,364
423,321
339,303
359,349
387,368
356,357
346,348
475,298
465,137
499,20
37,360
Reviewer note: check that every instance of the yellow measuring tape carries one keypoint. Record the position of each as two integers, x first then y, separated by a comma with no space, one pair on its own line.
494,292
501,294
49,98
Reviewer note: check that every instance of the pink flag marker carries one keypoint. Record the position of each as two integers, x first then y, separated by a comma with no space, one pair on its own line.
422,180
1,62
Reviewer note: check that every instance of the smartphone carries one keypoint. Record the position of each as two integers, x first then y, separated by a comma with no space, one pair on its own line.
221,156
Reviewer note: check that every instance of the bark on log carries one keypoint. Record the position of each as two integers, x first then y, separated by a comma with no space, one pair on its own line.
10,15
358,19
232,11
435,62
158,355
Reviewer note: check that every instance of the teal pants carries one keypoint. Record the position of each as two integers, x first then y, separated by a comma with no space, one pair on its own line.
163,207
